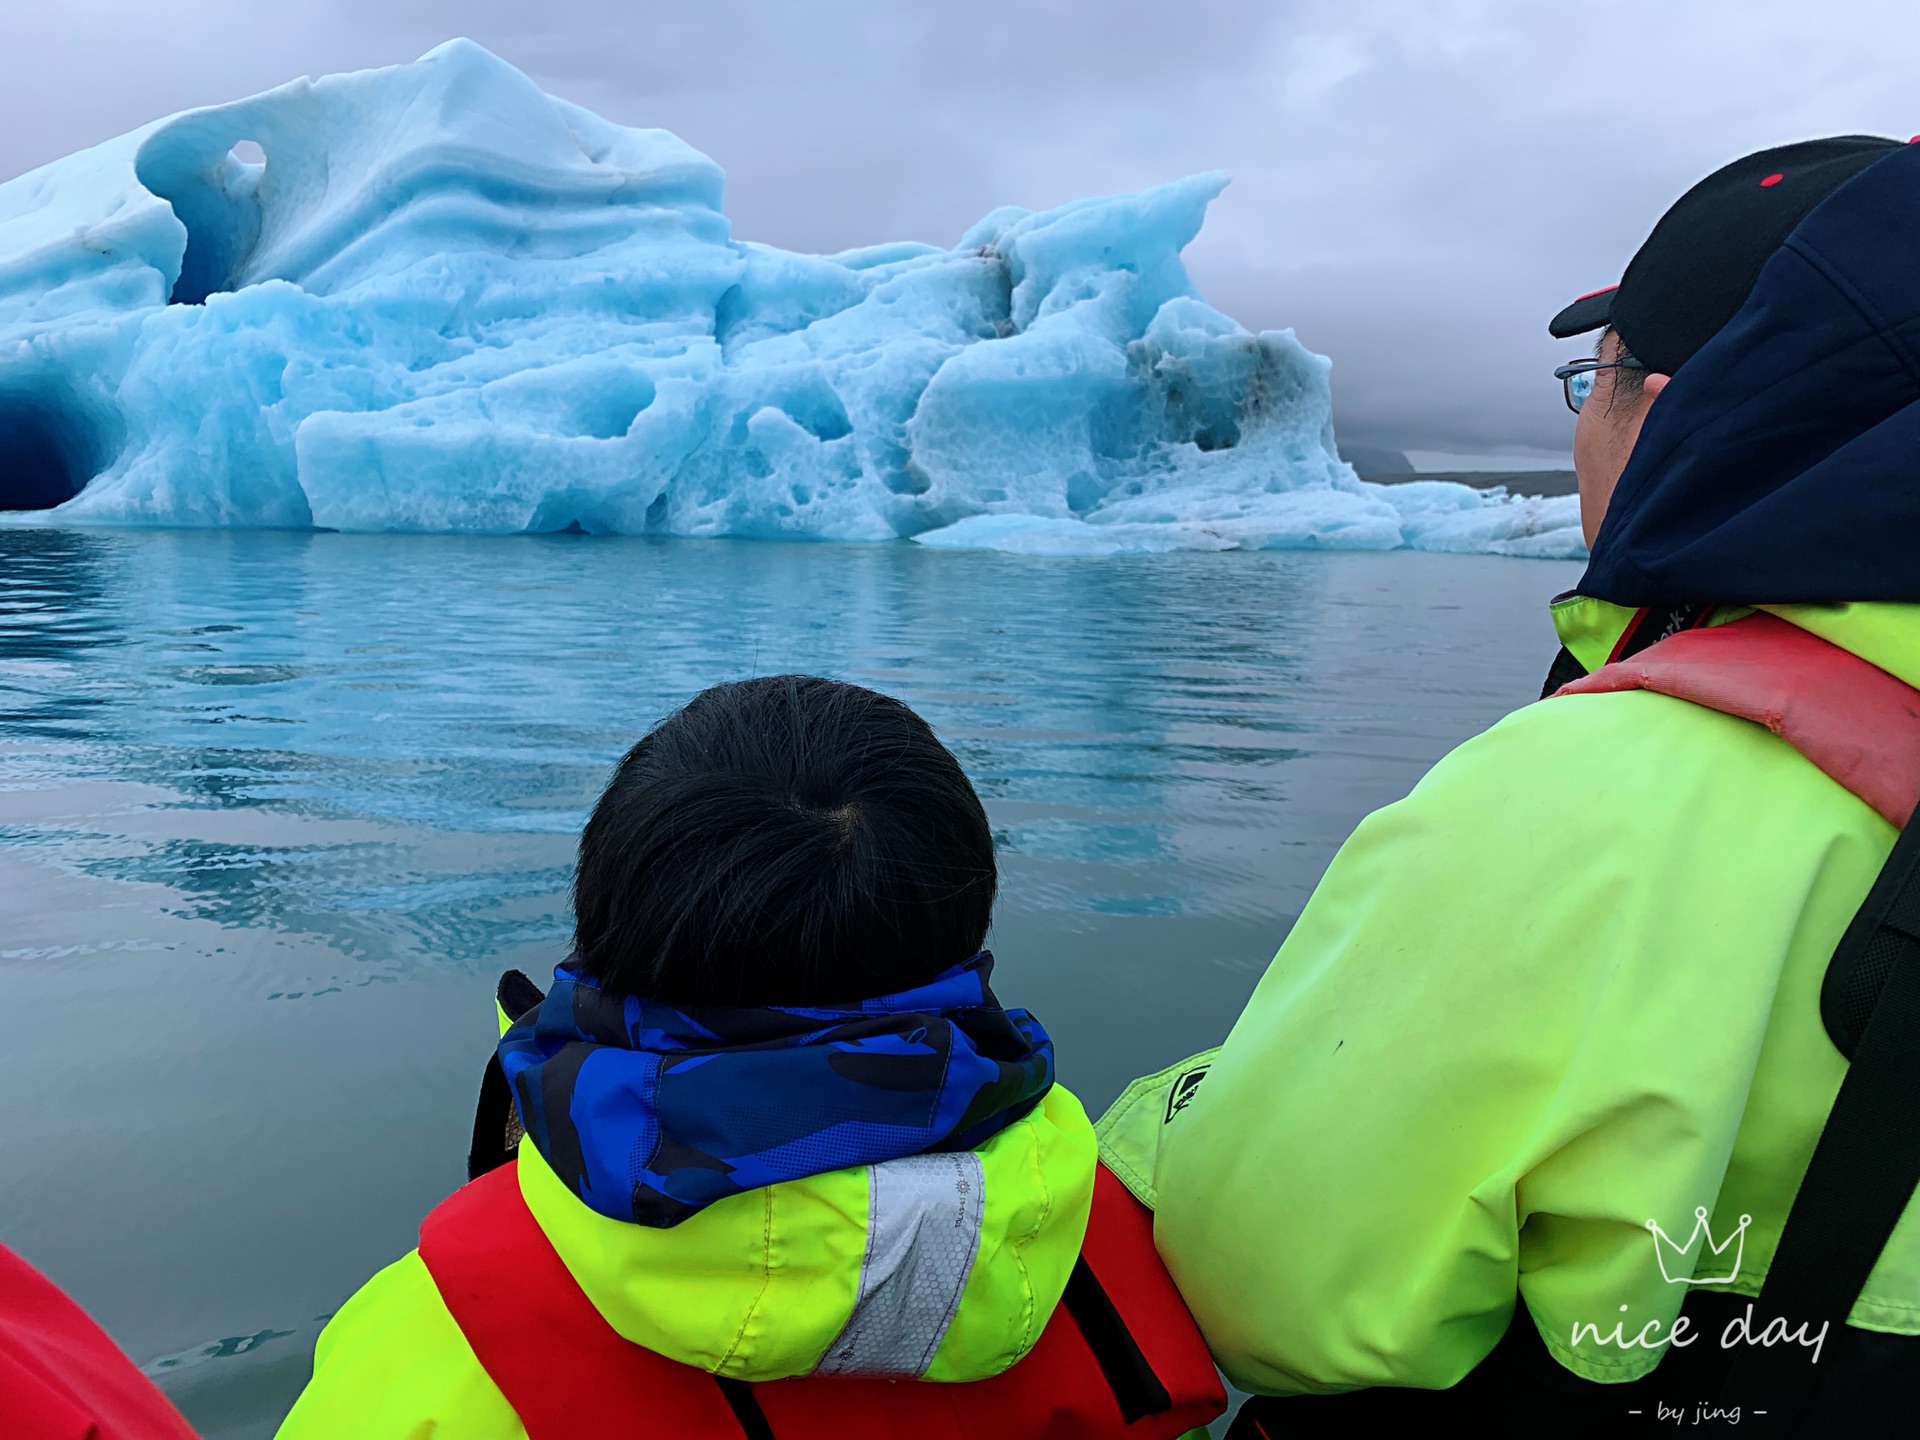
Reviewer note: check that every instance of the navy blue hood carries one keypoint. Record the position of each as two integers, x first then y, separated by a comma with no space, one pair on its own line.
1782,464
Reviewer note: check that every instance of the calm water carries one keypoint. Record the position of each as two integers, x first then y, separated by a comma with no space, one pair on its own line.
275,809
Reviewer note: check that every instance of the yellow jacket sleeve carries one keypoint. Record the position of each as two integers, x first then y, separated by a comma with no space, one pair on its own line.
1529,1010
393,1365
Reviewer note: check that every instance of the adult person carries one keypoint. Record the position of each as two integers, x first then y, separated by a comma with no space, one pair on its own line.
789,1169
1545,1056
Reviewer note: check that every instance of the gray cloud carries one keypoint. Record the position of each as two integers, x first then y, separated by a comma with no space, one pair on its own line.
1418,183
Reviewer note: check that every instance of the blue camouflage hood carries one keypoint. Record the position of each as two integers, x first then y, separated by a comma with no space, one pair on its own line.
1782,464
650,1112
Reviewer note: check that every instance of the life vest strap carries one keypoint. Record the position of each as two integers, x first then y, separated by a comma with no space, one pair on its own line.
495,1133
746,1409
1135,1387
1866,1165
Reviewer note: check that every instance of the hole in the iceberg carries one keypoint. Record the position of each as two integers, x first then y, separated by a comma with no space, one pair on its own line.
1084,491
41,451
606,411
908,478
729,313
820,413
215,192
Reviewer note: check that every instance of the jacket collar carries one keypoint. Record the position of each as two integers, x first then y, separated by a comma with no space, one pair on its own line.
1883,632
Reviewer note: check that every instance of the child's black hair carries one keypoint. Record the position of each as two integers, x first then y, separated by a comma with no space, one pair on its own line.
783,841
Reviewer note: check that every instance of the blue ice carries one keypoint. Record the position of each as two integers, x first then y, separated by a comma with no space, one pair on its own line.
446,301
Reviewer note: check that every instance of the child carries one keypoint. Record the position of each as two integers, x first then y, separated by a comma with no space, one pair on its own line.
784,1150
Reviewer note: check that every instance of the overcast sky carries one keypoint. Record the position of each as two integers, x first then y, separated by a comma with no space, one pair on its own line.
1418,184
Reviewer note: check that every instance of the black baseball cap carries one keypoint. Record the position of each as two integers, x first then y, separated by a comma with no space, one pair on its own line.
1699,264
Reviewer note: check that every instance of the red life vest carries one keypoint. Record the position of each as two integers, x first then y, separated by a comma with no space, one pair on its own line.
1849,717
1119,1358
61,1378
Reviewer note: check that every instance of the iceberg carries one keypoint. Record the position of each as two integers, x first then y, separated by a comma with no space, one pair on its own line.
434,298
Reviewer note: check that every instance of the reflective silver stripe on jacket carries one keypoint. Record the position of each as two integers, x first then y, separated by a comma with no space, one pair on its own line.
923,1231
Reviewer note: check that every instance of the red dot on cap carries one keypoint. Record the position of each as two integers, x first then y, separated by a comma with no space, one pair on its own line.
1773,179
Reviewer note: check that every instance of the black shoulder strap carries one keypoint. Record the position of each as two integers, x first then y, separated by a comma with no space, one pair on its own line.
1565,670
1136,1389
1866,1165
493,1117
746,1408
1862,964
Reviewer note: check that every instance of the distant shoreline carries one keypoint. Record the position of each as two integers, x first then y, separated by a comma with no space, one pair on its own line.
1518,482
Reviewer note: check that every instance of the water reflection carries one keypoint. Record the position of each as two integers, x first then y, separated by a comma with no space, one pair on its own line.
1135,726
52,588
54,609
470,689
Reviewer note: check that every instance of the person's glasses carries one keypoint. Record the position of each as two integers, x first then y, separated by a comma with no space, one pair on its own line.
1577,379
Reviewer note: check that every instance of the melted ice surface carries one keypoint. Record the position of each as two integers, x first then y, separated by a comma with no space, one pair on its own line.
446,301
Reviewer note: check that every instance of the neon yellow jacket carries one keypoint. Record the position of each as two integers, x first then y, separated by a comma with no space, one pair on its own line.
1568,986
755,1286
